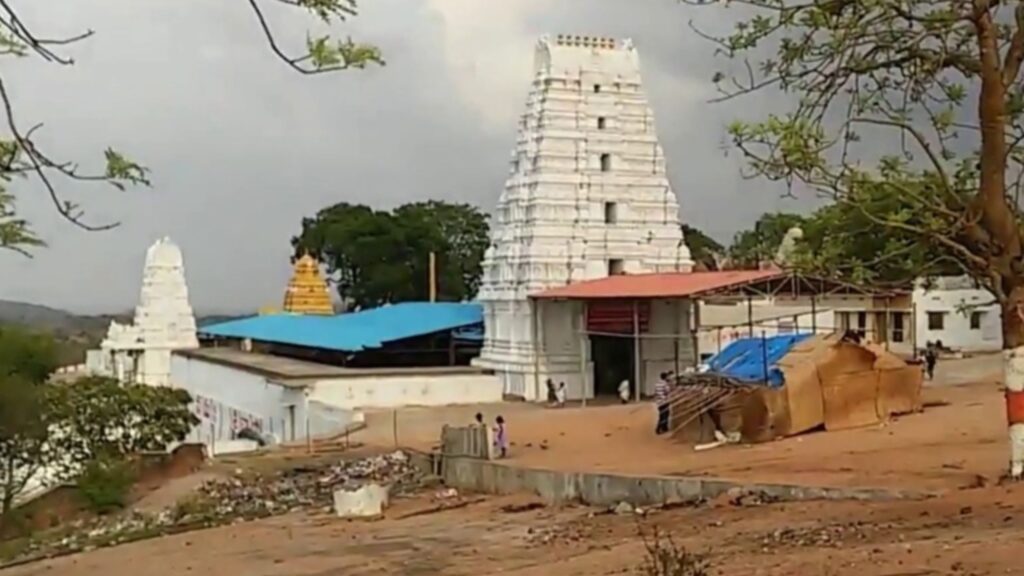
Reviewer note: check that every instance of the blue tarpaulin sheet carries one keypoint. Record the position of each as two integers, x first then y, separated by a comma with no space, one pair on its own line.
755,359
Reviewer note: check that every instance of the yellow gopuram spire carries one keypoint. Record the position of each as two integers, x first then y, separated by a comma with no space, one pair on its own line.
307,291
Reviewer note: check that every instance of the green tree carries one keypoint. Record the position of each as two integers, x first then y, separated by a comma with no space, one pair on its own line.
840,242
23,438
375,257
462,234
55,432
26,360
104,420
28,355
22,156
705,251
939,80
751,247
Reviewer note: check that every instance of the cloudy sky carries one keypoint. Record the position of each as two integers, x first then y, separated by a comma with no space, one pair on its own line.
241,148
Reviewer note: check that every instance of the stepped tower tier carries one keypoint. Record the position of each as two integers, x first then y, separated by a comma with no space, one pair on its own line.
307,291
141,351
163,316
587,196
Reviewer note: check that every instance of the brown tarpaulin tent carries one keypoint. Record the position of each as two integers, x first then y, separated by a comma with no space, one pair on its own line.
834,383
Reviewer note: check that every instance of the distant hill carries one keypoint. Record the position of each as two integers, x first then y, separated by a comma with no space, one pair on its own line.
77,333
50,319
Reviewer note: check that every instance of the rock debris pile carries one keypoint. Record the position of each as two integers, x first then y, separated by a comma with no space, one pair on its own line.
306,487
238,498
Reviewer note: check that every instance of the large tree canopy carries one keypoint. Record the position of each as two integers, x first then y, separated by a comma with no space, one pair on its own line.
22,158
375,257
759,244
706,252
936,81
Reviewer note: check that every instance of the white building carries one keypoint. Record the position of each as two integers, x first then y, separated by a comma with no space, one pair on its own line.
290,399
587,197
163,322
955,311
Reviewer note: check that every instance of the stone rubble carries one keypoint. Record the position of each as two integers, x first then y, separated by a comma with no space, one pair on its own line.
240,498
307,487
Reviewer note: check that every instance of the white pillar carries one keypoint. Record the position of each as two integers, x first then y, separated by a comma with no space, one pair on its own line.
1013,371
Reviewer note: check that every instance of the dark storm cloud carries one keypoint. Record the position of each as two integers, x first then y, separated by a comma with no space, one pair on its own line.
241,148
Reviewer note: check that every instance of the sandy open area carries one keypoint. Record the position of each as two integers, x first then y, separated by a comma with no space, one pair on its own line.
960,435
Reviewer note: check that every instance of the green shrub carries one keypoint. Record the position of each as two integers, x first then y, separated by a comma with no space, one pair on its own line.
104,485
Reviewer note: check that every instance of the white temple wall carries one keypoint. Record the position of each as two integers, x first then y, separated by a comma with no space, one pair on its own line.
228,399
668,343
408,389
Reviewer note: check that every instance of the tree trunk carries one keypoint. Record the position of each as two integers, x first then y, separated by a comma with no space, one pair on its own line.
1013,376
8,500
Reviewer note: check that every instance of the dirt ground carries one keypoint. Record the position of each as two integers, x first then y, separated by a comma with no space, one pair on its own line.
956,448
960,435
964,532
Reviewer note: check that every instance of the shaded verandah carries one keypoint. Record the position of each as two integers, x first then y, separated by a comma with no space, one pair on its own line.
658,316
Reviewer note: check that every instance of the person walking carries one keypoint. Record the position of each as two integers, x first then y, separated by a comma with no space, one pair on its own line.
931,358
500,437
551,391
560,395
624,391
661,390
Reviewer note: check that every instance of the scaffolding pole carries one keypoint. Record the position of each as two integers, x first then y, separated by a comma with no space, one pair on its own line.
750,317
584,335
535,330
636,348
694,334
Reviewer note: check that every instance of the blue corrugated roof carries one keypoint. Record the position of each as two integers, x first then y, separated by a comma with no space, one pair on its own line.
749,359
354,331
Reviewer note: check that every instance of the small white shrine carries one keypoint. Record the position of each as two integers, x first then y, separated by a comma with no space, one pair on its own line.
163,322
587,197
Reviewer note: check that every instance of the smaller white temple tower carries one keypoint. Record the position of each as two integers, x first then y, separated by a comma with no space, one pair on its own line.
587,197
164,322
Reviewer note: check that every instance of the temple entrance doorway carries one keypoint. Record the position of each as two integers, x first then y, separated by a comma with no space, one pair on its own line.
613,362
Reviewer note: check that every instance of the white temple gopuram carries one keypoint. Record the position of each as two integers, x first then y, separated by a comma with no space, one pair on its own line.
141,352
587,196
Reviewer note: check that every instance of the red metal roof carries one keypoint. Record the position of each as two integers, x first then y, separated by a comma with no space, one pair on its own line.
668,285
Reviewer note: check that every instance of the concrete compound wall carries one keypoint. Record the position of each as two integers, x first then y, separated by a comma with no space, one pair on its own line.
596,489
226,400
473,441
393,391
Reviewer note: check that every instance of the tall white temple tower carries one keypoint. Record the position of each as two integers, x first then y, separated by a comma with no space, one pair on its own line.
164,322
587,197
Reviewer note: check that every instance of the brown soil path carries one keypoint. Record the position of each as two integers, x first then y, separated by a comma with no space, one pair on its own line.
964,532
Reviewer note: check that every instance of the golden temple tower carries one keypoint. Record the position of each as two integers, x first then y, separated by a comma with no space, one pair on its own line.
307,291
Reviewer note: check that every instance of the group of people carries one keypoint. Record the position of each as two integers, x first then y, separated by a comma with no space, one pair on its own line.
556,395
500,434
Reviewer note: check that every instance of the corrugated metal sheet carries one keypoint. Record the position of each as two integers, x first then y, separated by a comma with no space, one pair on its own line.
354,331
755,359
616,316
670,285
